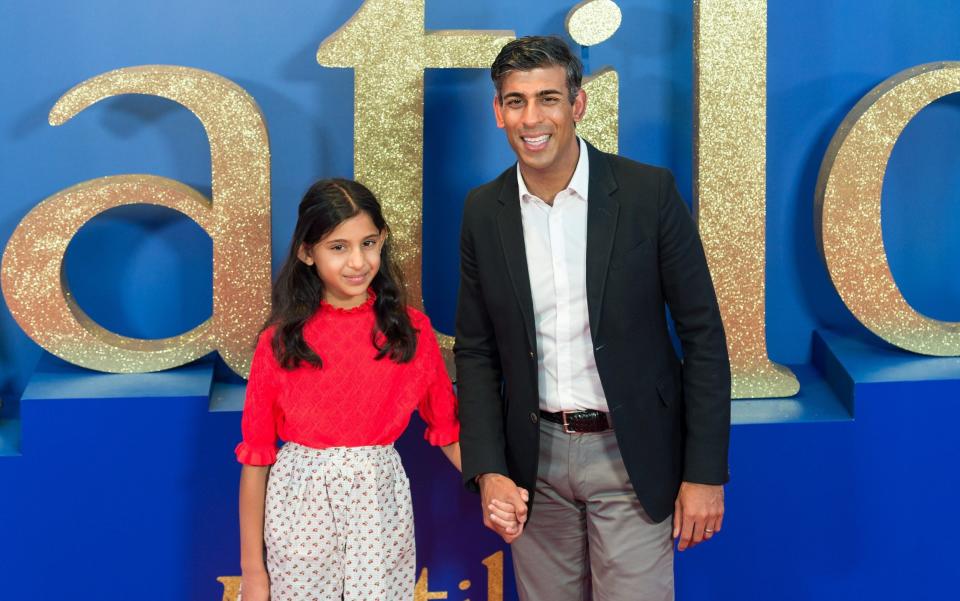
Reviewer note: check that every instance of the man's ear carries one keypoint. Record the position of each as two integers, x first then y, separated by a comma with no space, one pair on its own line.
498,110
579,106
303,255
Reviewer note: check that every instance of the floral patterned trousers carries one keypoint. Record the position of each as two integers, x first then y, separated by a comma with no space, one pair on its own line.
339,525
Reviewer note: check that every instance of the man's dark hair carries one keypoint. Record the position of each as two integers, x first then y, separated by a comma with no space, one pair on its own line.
536,52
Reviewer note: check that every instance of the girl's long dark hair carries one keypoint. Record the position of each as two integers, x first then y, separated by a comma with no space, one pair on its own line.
298,289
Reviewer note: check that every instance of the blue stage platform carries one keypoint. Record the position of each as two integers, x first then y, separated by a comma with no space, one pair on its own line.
843,509
125,486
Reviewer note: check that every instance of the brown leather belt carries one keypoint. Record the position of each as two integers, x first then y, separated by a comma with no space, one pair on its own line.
578,421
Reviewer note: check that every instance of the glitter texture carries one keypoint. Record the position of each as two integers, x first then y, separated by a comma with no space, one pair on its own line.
237,220
848,204
602,119
730,62
388,47
231,587
593,21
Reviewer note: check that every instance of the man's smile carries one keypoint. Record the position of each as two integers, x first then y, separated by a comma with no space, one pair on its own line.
535,142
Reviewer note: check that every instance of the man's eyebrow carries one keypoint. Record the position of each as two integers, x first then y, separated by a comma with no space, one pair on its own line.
539,94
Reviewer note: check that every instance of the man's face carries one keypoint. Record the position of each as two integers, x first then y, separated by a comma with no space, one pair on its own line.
535,112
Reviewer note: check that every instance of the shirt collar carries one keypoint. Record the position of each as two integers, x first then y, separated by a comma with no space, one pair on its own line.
579,183
364,307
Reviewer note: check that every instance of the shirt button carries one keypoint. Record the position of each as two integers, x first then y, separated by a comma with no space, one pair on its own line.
534,417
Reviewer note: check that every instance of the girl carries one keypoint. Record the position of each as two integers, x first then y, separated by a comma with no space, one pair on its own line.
336,373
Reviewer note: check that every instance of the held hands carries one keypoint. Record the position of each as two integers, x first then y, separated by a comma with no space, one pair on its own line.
698,514
504,506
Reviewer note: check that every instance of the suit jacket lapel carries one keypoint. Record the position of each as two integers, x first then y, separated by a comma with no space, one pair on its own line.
510,225
602,212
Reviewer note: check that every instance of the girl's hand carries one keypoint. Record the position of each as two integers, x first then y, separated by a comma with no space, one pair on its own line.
504,514
255,586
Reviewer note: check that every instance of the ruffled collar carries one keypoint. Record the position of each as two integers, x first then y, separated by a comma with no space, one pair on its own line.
365,307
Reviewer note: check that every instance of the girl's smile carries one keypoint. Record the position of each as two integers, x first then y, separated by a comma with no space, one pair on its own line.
346,260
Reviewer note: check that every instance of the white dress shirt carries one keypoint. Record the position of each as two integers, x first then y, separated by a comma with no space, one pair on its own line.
556,244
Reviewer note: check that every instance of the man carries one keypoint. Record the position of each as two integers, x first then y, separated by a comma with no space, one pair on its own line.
569,386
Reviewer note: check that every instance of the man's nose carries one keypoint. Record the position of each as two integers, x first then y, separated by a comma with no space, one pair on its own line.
532,114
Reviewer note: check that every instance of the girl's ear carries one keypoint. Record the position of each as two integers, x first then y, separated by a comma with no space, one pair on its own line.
303,255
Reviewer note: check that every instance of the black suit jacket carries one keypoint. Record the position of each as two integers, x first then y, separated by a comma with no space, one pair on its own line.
672,419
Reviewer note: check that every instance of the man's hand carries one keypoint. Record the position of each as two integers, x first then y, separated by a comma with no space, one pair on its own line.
504,505
697,513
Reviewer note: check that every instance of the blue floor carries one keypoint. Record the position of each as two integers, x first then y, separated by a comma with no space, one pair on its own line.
124,486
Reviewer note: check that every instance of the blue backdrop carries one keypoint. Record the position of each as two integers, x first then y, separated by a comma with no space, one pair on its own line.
842,492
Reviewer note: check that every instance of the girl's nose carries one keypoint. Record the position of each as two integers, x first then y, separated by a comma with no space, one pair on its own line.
355,259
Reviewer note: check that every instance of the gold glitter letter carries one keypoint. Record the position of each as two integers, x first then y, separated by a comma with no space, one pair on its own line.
386,44
237,219
601,122
848,209
593,21
589,23
494,565
421,591
231,587
730,63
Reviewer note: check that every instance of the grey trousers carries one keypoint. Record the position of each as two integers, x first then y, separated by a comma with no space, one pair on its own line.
588,537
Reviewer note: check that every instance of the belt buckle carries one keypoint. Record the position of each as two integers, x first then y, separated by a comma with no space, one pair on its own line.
566,424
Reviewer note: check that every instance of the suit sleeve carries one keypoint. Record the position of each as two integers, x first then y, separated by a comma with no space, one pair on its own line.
479,374
689,292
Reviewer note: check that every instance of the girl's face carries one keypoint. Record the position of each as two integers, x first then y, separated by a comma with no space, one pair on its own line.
346,260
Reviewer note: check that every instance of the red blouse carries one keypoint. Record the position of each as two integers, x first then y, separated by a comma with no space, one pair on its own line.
353,400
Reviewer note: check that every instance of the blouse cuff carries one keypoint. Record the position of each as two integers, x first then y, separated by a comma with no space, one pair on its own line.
250,455
441,437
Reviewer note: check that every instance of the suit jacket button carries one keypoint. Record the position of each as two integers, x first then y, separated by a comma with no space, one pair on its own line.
534,417
531,354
